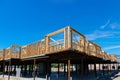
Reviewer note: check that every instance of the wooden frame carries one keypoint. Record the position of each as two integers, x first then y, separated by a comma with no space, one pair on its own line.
44,47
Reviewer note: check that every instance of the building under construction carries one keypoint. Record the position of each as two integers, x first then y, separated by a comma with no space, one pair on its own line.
67,48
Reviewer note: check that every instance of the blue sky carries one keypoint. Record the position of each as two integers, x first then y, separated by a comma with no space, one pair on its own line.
26,21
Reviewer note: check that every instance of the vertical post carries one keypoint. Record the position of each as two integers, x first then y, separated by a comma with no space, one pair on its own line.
103,67
65,38
68,69
25,72
47,43
82,68
3,68
110,67
21,74
48,70
34,68
9,70
58,69
76,69
31,68
95,70
72,68
64,69
69,37
83,42
14,70
99,67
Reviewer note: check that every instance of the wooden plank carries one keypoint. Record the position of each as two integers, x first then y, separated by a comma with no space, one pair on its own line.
69,37
65,38
9,70
47,41
77,32
95,72
68,69
58,69
64,69
82,68
56,32
34,69
3,68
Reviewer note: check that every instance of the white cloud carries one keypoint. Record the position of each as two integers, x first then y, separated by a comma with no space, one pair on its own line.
112,47
99,34
105,25
114,25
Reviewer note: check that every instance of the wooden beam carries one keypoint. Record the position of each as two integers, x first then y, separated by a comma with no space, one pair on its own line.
77,32
9,70
64,69
3,68
56,32
68,69
34,69
65,38
82,68
27,59
95,73
47,41
69,37
58,69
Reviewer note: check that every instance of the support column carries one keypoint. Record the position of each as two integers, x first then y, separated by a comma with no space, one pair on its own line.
64,69
48,70
103,67
76,69
9,70
25,72
29,69
3,68
21,74
14,70
72,68
34,69
95,70
110,67
58,69
82,68
68,69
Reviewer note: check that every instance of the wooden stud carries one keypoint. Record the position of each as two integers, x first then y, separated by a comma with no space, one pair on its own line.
58,69
34,68
69,37
56,32
65,38
9,70
64,69
68,69
47,41
95,73
82,68
76,69
3,68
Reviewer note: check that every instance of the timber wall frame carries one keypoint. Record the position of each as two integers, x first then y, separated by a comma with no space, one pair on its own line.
45,46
